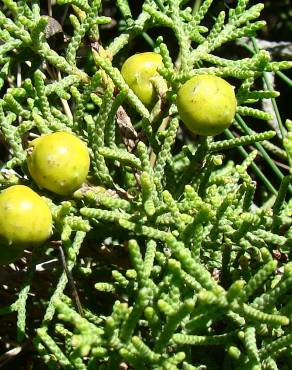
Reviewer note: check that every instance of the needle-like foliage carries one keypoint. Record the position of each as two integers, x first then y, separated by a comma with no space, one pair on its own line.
179,245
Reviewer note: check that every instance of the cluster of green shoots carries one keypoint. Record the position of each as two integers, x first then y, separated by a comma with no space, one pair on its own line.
194,272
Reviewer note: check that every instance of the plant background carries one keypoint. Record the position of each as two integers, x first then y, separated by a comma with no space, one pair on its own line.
279,28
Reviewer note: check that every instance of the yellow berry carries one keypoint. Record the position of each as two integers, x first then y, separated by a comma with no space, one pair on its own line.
138,70
206,104
25,221
58,162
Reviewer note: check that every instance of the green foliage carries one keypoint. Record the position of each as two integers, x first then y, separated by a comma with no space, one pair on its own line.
179,248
